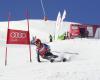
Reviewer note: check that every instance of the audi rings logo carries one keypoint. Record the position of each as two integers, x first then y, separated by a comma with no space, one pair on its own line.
17,35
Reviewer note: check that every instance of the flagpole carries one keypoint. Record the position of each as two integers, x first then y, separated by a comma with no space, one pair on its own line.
27,16
43,8
9,15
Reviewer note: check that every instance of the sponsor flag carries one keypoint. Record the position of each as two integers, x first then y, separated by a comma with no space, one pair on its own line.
58,21
58,24
64,15
17,37
61,31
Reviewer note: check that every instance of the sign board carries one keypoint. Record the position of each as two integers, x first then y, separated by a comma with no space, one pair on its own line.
17,37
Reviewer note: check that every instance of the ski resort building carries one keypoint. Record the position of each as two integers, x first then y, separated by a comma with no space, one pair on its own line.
84,30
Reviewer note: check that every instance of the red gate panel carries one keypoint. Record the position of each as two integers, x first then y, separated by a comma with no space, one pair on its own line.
18,37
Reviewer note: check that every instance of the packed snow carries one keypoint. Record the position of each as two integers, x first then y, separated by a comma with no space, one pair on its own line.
84,54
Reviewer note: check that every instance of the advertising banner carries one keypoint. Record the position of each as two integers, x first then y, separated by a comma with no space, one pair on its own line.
17,37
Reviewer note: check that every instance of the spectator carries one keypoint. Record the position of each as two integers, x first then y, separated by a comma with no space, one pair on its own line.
50,38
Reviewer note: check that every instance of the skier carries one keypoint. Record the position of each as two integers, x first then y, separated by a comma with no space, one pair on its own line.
43,50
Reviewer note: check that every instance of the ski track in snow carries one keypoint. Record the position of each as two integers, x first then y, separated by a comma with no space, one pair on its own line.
51,71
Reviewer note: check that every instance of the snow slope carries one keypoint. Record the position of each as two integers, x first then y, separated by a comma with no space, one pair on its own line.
85,65
37,27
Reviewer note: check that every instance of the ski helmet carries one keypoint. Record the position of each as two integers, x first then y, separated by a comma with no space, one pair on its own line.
37,41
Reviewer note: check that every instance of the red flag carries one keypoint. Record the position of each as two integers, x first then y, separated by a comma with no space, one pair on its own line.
18,37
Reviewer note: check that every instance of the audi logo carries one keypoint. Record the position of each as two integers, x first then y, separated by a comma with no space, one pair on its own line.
17,35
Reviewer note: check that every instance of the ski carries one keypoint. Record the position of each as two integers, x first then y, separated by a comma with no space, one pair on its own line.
58,60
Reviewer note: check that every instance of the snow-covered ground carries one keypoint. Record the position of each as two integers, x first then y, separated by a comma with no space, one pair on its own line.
83,65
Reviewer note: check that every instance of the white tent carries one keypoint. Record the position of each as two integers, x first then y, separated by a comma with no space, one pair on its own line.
97,34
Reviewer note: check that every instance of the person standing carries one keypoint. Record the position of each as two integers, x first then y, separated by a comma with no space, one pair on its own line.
50,38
